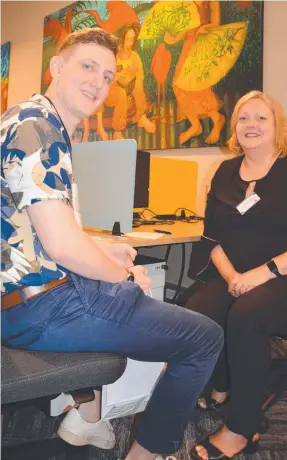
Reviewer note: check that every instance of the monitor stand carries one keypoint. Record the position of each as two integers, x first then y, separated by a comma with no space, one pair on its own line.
117,229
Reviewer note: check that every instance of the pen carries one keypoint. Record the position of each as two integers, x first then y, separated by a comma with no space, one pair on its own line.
162,231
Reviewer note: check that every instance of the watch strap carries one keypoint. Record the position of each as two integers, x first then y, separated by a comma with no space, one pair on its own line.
273,268
130,275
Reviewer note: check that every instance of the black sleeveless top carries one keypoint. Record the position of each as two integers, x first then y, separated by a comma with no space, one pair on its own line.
251,239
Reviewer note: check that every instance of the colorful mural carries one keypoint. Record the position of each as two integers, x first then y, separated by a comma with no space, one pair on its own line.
181,67
5,57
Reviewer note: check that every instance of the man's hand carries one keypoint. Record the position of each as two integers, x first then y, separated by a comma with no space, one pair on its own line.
121,253
141,277
249,280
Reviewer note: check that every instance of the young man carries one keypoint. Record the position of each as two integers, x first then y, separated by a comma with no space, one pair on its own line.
61,291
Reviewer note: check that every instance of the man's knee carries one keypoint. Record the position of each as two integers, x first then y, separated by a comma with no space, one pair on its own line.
214,336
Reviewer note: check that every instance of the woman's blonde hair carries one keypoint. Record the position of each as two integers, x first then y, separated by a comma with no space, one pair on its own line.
279,117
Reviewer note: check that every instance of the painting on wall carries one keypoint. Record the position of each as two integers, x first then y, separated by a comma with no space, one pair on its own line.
181,67
5,58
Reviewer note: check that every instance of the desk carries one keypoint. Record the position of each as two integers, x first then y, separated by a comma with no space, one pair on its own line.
182,232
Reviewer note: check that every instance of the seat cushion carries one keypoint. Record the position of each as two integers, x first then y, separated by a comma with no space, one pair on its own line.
28,375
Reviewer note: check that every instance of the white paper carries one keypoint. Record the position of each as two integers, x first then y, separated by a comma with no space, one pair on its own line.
148,235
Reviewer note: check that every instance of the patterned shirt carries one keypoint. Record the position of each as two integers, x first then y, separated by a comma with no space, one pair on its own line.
35,166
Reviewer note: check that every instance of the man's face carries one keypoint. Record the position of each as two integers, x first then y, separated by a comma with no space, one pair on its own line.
86,72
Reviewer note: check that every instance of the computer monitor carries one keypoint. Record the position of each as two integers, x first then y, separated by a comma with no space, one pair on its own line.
105,176
141,197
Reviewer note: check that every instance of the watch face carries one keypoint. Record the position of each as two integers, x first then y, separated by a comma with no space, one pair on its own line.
130,276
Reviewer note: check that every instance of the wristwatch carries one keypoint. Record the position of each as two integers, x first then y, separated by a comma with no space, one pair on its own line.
130,275
273,268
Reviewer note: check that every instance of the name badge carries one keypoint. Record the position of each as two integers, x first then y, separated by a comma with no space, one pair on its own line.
247,203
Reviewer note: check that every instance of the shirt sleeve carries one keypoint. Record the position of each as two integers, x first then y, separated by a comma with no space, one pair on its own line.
36,163
201,266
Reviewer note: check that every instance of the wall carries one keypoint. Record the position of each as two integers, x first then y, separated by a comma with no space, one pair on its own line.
22,24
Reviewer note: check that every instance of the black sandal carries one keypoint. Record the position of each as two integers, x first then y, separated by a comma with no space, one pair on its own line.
211,404
216,454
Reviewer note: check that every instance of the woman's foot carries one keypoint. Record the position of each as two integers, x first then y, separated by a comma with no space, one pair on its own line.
227,442
137,452
148,125
214,401
117,136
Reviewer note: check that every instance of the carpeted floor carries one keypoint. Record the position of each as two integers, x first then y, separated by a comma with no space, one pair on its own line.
31,424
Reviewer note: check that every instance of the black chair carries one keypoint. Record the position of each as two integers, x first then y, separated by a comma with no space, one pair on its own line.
34,378
277,384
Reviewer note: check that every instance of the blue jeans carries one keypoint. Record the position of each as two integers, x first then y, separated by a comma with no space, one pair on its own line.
88,315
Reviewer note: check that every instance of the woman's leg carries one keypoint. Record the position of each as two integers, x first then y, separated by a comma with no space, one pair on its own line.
213,300
254,317
87,315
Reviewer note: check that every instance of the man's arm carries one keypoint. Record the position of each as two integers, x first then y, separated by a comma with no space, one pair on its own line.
67,244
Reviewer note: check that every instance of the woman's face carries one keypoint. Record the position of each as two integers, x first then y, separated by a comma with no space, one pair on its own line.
130,39
255,125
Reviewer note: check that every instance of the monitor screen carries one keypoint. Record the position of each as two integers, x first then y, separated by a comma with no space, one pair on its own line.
105,175
141,197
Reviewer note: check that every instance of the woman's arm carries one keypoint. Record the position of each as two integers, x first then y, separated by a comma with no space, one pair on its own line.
281,262
259,275
214,18
223,264
170,40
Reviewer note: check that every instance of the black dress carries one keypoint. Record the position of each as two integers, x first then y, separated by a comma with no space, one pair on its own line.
251,239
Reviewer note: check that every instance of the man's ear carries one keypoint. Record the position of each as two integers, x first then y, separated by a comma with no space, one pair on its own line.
56,66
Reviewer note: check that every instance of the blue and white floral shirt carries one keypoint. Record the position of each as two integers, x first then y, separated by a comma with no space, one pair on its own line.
35,165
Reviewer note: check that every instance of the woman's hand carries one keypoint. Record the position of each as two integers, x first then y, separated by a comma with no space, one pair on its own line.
231,281
244,282
168,38
202,30
172,40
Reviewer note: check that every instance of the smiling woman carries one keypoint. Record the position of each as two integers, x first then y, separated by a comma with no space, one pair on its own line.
244,266
266,111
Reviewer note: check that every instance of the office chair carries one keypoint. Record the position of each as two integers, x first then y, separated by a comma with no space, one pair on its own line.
33,378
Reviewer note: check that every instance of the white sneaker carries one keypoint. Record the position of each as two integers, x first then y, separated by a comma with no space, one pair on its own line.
76,431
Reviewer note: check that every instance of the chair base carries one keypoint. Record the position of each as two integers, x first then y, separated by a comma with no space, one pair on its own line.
42,449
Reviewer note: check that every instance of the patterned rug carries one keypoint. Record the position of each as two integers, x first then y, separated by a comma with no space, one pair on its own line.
30,424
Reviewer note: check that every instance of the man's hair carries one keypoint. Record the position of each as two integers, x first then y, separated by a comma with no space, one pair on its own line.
91,35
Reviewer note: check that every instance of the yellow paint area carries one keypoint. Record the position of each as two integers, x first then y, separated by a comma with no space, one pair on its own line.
173,184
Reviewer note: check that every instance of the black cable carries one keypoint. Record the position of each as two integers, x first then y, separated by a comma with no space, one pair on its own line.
189,219
142,219
166,259
177,291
